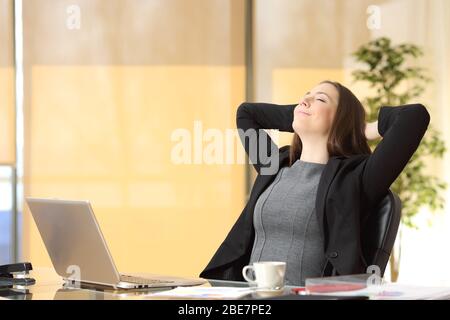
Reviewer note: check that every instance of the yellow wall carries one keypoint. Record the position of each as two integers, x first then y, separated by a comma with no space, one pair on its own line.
103,133
7,119
7,150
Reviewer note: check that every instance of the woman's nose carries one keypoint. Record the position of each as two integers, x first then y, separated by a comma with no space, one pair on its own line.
306,102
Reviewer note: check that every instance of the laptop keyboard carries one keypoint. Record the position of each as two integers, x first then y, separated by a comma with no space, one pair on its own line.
139,280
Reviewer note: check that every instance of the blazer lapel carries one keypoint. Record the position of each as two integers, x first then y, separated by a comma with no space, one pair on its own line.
322,192
247,236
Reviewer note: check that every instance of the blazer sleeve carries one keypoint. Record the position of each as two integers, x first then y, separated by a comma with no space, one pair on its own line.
402,129
252,118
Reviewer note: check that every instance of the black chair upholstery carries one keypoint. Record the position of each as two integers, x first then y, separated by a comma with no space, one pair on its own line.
380,231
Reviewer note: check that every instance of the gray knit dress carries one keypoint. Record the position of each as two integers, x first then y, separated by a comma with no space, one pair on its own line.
285,222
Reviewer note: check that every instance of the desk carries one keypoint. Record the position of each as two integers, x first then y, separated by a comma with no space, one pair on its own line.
49,286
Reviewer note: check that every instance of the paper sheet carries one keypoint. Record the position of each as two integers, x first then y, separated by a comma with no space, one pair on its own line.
396,291
206,292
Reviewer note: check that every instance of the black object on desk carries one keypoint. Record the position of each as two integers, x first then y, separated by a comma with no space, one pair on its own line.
16,274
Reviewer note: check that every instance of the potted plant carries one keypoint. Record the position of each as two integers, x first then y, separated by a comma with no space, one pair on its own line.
394,81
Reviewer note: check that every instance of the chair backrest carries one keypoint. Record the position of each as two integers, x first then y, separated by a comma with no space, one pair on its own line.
380,231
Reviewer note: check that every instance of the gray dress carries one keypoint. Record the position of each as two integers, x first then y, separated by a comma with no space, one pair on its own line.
285,222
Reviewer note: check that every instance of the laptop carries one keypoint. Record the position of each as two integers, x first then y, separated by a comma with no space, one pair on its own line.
78,250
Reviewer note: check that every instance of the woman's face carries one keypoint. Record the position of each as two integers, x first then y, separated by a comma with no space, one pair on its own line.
315,112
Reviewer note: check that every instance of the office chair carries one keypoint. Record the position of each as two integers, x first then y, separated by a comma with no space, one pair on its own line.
380,231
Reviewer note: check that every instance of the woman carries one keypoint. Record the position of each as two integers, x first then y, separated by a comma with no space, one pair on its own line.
309,212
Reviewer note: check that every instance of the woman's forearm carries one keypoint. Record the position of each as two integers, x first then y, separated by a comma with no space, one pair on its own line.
402,129
265,116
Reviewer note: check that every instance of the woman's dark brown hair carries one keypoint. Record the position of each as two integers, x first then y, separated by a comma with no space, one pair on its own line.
347,135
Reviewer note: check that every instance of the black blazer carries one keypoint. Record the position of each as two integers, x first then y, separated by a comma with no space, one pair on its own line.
348,187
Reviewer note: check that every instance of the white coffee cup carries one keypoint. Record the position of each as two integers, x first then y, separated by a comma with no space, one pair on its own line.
268,274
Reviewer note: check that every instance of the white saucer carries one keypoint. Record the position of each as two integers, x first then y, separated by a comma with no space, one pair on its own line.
268,292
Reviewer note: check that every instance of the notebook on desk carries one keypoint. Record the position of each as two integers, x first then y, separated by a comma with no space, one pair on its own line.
78,250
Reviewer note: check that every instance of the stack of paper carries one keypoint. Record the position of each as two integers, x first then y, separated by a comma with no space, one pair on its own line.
395,291
330,285
205,292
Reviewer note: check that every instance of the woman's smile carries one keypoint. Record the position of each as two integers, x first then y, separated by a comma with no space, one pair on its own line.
298,110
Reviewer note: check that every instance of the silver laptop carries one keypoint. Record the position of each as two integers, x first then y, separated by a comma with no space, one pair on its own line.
78,249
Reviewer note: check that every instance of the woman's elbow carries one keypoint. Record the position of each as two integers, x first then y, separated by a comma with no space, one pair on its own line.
421,116
242,110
